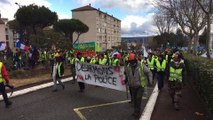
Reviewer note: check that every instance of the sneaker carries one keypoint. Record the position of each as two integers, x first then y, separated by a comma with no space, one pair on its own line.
9,104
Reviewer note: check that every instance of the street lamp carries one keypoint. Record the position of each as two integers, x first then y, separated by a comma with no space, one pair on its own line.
18,4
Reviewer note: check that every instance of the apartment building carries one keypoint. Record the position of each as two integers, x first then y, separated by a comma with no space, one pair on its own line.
104,29
2,31
6,34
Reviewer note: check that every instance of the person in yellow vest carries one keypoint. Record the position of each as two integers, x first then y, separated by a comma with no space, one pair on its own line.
4,77
115,61
94,60
176,75
136,77
160,66
58,71
126,57
80,58
150,61
102,60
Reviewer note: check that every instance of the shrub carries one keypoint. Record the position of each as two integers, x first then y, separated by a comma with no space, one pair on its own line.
201,70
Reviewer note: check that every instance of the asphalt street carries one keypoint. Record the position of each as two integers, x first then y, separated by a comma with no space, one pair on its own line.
96,103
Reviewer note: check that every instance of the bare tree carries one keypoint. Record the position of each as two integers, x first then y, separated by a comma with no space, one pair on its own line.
163,22
207,7
188,15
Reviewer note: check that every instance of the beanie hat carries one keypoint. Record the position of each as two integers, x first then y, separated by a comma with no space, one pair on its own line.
131,56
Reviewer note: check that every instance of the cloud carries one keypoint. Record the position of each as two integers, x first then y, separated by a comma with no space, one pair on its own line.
124,5
138,25
64,16
9,8
4,1
138,14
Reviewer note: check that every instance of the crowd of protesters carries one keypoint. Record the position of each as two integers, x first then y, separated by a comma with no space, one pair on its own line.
140,71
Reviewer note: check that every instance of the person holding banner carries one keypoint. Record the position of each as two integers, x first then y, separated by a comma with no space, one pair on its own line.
80,58
102,60
116,61
136,77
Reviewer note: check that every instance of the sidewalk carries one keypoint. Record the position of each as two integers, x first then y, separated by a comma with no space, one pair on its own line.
192,107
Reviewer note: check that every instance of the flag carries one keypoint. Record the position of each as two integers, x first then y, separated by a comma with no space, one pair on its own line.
145,54
21,46
113,53
2,46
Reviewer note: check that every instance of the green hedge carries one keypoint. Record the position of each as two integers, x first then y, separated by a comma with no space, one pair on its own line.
201,70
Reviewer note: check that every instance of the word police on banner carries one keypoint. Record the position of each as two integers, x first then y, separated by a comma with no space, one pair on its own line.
100,75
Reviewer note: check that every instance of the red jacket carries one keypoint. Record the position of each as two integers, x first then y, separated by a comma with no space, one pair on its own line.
4,74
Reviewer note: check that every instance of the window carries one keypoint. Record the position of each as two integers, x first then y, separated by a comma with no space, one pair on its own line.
99,30
7,37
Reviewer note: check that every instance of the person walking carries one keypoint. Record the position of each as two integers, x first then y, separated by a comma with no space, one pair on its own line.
176,75
151,64
136,77
58,71
80,58
161,66
4,77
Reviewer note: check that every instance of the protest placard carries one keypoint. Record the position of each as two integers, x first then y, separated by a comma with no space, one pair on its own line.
100,75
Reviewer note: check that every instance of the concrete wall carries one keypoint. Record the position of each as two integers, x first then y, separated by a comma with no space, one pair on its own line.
88,18
2,33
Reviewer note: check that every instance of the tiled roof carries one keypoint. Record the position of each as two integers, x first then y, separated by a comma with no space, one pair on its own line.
88,7
84,8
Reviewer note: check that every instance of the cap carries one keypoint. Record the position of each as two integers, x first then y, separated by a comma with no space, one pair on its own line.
131,56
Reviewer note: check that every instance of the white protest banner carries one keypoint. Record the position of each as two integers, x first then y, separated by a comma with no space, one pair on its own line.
100,75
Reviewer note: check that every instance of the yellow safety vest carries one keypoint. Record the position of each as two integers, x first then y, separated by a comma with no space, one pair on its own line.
114,62
175,74
82,59
161,67
143,78
150,63
102,61
1,79
72,61
59,69
93,61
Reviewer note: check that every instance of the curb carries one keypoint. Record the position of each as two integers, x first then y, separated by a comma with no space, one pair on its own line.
147,113
34,88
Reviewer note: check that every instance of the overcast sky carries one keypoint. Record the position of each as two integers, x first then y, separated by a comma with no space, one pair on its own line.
135,15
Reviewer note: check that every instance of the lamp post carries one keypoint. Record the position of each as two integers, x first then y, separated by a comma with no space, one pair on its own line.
18,4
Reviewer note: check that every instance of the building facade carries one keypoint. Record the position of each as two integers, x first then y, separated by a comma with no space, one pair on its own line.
103,28
6,34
